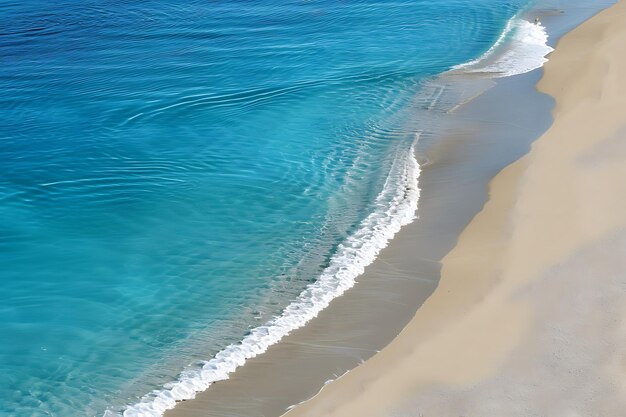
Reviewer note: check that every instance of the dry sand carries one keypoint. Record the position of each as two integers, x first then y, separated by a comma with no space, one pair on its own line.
529,318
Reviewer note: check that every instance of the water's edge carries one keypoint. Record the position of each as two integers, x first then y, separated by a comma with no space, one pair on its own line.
358,251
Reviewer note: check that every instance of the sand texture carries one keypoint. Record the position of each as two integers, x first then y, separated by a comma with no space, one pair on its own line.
529,318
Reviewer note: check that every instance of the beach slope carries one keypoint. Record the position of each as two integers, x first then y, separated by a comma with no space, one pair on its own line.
529,317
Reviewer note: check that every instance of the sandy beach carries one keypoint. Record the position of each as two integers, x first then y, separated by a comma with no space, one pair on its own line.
528,318
313,209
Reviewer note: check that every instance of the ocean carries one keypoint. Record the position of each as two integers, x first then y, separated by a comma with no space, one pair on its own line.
184,183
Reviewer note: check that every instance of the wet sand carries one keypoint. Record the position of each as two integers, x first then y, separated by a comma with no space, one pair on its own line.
529,316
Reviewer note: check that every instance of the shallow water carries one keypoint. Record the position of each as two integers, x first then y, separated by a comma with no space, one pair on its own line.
174,176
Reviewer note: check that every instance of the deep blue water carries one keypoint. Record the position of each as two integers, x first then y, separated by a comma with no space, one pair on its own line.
174,173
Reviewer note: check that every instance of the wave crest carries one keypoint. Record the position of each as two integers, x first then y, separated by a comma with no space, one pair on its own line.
396,206
521,48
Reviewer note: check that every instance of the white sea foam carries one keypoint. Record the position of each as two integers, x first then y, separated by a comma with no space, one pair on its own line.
396,206
507,30
522,47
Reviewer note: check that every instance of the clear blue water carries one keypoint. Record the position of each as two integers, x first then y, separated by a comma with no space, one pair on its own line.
173,174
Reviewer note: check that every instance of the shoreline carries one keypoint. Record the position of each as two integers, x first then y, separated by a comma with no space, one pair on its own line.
492,340
459,151
348,343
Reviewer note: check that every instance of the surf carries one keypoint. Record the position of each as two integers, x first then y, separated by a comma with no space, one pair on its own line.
522,47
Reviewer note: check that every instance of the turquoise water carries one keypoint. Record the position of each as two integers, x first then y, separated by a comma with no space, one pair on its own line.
174,174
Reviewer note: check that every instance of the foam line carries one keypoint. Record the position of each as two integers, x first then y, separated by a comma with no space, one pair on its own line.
396,206
521,48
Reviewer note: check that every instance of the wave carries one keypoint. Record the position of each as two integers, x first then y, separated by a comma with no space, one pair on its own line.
396,206
521,48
